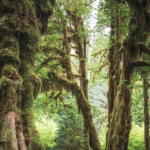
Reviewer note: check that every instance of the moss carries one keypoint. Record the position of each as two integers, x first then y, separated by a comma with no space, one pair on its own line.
83,105
19,37
9,70
9,49
31,88
86,80
44,10
10,95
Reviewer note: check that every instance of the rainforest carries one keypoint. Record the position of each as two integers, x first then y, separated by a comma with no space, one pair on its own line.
74,74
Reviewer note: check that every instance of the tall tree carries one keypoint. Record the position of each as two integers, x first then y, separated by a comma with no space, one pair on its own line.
20,30
133,44
70,25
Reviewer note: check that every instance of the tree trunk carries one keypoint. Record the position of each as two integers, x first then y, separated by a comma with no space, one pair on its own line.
114,66
81,46
8,139
67,61
146,110
120,123
19,86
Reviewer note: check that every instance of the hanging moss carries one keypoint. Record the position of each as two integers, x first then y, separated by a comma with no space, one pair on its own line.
44,9
83,105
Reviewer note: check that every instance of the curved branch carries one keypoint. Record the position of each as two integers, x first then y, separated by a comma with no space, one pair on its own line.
98,53
83,105
74,66
140,64
144,48
76,56
103,56
46,61
49,48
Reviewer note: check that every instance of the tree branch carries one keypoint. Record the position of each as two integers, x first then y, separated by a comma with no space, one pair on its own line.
82,103
144,48
140,64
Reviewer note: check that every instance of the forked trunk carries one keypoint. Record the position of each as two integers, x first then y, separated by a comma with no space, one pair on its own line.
10,128
120,123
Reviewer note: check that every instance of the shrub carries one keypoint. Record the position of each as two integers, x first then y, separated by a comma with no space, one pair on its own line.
47,130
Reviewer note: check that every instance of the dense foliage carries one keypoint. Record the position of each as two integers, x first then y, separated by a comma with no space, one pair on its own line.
69,84
70,132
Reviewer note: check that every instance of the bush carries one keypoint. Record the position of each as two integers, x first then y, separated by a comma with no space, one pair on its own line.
47,130
136,139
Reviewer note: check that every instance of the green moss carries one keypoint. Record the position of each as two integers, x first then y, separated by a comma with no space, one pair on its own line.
9,49
44,10
10,96
9,70
19,37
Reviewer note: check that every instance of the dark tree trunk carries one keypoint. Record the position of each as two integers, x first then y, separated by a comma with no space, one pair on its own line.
146,110
114,67
67,62
120,123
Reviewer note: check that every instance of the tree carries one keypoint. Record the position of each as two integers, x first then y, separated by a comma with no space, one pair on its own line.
132,46
70,24
19,85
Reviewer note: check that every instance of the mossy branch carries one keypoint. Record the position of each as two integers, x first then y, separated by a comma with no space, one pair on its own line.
98,53
46,61
140,64
83,105
76,56
144,48
50,48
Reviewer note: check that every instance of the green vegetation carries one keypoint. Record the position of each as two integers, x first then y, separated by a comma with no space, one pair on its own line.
66,84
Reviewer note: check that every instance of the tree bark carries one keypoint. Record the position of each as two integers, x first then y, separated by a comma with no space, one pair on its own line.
8,139
19,86
146,110
114,66
120,123
81,46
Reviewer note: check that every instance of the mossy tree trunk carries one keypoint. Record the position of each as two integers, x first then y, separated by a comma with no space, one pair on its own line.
114,64
131,48
80,41
120,113
67,62
19,85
